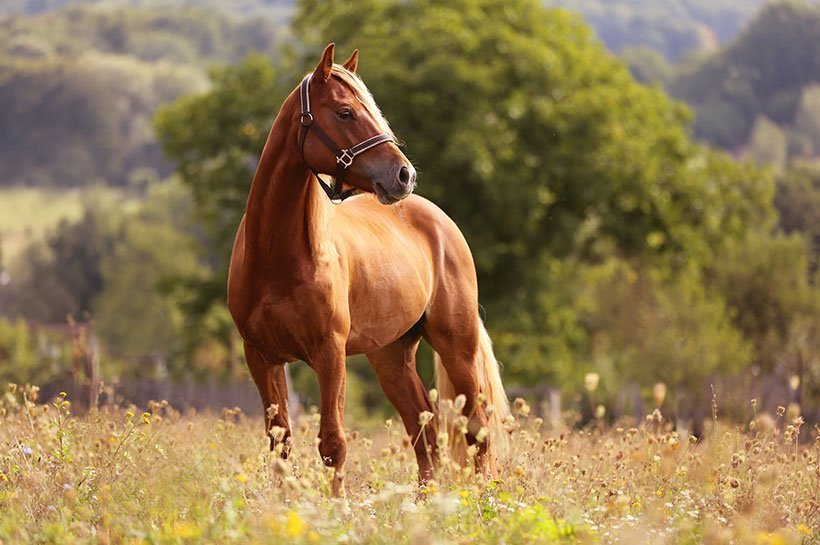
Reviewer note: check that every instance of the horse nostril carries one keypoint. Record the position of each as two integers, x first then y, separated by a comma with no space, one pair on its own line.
404,175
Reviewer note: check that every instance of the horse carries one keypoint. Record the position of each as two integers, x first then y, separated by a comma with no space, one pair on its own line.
315,279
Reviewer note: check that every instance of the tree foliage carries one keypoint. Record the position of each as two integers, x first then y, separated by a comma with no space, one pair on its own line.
566,175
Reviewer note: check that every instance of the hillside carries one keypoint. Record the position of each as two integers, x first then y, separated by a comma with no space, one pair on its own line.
761,93
79,86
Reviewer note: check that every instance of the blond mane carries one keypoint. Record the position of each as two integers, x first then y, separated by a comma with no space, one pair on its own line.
363,95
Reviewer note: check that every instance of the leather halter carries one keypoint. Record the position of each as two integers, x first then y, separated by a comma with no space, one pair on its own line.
344,157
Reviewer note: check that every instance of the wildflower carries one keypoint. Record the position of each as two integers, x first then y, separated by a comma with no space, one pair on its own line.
793,411
480,398
781,410
240,477
146,418
28,451
459,402
794,382
460,424
520,407
388,423
296,525
272,411
425,417
442,439
482,434
591,381
277,432
433,395
472,450
600,412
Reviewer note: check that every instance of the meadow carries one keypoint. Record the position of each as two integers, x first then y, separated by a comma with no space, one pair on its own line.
120,475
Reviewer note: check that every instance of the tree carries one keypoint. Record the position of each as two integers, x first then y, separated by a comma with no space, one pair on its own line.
215,139
61,276
134,314
547,151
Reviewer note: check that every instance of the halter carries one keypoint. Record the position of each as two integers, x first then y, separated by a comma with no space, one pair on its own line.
344,157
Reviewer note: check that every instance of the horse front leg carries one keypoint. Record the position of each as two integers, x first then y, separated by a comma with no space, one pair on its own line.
273,389
330,369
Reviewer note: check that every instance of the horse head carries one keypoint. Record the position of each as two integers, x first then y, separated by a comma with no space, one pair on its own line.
340,121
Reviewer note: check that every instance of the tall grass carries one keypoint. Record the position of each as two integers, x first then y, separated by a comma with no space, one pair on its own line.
118,475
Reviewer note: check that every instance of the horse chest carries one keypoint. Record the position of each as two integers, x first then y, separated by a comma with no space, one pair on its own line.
291,324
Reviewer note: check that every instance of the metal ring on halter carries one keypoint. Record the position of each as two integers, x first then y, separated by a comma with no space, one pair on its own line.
306,119
345,159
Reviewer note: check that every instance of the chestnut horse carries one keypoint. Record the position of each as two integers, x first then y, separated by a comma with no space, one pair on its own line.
316,281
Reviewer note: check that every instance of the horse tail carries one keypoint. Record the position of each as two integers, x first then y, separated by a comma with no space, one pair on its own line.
489,379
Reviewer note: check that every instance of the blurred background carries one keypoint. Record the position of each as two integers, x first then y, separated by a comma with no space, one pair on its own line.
639,181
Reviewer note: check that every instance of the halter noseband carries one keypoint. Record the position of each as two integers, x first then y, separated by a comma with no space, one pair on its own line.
344,157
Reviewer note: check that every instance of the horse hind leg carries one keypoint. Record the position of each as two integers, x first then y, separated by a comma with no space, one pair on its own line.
395,366
272,385
466,365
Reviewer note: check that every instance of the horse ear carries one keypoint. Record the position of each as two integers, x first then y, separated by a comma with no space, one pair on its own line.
322,72
353,62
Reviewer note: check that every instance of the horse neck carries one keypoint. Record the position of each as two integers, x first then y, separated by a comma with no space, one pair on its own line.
286,214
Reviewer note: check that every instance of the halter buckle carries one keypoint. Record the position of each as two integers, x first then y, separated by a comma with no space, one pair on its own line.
345,159
306,119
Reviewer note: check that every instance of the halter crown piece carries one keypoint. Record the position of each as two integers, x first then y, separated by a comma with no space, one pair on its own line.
344,157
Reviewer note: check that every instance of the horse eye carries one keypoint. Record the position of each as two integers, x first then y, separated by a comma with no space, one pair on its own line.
345,114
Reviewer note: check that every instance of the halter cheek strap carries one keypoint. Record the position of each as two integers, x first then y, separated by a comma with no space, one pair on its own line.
344,157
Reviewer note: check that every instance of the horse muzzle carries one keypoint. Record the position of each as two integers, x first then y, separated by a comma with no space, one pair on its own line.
396,187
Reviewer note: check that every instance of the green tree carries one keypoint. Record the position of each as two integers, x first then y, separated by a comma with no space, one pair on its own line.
546,152
215,139
134,314
61,276
798,203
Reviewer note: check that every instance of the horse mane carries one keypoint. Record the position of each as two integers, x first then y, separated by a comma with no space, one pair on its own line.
363,95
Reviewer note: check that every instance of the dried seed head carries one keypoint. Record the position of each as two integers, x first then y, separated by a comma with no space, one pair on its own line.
659,393
459,403
280,467
272,411
482,434
277,432
425,417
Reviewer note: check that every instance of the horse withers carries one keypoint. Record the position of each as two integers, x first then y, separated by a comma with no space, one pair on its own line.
314,280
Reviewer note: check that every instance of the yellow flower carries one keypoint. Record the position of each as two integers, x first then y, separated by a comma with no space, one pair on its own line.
805,530
296,525
241,477
185,530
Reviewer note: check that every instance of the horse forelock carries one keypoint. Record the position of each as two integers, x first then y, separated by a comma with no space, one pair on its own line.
363,95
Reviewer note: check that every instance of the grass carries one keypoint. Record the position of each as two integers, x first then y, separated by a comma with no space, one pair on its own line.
118,475
27,214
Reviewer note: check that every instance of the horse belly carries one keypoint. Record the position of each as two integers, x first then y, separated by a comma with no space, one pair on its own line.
387,300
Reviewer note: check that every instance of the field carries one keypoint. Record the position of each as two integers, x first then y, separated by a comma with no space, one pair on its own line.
27,214
121,476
